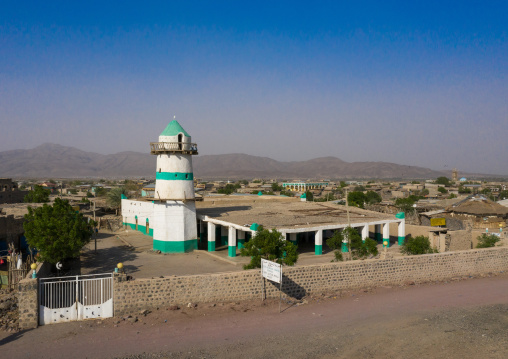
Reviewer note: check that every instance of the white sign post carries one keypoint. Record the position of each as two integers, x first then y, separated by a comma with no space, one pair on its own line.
272,271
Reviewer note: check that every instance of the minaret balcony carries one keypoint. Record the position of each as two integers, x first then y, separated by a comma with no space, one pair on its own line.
186,148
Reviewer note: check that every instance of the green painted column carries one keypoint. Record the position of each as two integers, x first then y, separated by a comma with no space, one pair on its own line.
231,242
402,228
318,242
231,251
211,231
344,247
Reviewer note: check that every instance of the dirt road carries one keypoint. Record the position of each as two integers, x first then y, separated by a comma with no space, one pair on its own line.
460,319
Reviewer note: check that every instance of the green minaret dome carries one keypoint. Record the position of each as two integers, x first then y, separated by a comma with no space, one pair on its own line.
173,129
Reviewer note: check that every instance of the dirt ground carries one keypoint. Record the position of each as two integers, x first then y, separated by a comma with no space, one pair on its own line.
466,318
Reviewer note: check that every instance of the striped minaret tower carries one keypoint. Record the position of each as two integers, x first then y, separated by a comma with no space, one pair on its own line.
175,230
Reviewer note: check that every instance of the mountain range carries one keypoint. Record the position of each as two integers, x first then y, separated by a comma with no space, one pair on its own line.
52,160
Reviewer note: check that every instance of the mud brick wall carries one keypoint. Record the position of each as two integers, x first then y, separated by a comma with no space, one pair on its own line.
27,304
132,296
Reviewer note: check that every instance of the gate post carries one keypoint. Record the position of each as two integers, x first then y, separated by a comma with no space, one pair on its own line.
28,305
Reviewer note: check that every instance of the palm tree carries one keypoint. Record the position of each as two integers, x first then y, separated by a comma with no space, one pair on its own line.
114,197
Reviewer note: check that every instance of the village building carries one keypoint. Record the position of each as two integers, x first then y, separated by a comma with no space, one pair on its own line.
178,224
9,191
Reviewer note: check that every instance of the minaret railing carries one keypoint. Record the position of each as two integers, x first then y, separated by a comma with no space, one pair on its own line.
173,147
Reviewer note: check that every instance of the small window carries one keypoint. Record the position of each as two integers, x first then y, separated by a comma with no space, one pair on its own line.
176,175
186,176
159,170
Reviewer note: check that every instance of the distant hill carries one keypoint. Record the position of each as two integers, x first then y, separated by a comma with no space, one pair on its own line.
51,160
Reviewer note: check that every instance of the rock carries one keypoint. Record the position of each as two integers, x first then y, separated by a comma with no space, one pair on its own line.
144,312
191,305
132,319
410,283
173,307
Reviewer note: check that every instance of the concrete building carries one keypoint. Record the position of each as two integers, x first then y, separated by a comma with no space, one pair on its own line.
232,220
303,186
178,223
171,216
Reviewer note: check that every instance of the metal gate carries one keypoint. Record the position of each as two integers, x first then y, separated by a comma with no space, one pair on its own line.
63,299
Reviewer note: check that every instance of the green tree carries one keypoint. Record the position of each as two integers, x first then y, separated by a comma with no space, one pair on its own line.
276,187
359,188
228,189
503,194
38,195
463,189
269,245
57,231
343,184
100,192
359,249
443,180
406,204
417,245
309,196
442,190
372,197
114,197
73,191
356,199
487,240
452,195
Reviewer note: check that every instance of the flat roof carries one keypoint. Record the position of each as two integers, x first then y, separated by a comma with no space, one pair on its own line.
284,212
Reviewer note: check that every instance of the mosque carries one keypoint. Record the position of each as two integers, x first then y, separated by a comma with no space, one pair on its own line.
178,224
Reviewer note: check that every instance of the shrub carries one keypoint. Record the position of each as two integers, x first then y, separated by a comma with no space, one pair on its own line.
417,245
487,240
269,245
359,249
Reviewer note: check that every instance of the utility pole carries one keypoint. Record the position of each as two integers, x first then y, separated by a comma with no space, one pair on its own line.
348,222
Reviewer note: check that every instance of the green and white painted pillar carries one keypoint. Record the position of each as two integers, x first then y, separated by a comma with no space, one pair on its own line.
231,242
254,227
241,239
377,233
211,237
365,232
345,244
401,228
318,240
386,235
223,235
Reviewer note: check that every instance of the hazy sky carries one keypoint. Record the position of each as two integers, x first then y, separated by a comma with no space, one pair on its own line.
418,83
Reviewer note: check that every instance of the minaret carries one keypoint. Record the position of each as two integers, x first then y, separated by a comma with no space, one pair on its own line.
175,230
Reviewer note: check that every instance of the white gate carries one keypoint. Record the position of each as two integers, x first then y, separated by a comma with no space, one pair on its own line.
63,299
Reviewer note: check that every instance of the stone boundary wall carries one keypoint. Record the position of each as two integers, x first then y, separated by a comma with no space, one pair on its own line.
132,296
